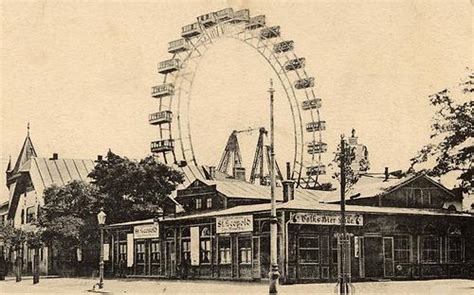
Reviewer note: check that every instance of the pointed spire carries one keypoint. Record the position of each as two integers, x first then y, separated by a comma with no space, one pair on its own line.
27,151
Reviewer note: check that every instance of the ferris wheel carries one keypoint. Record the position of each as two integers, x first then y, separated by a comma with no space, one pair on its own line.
175,144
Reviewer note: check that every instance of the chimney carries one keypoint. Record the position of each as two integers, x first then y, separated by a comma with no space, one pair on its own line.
99,158
55,156
288,185
288,190
212,172
386,174
239,173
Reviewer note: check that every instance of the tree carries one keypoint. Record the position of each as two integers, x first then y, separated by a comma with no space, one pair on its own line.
345,157
452,133
134,189
14,239
68,219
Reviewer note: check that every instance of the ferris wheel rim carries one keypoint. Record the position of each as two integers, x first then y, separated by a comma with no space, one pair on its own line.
297,120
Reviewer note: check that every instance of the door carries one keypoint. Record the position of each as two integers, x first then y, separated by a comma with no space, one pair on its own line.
264,256
388,264
256,258
170,264
373,250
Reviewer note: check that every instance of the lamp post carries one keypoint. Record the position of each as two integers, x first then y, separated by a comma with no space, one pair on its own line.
274,274
101,216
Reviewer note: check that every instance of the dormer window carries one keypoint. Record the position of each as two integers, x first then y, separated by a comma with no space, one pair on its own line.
198,203
209,203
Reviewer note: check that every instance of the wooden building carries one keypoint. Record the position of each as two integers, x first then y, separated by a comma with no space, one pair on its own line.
409,228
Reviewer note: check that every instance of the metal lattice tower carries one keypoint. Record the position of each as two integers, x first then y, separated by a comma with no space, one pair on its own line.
262,152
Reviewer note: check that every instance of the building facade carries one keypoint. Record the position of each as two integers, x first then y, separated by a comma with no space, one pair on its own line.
224,233
26,181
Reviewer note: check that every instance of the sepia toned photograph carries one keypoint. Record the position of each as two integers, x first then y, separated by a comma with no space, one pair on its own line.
237,147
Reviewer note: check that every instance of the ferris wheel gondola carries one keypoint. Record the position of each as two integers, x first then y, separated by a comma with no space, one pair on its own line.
175,143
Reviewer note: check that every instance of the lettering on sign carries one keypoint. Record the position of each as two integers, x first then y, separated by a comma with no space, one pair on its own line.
325,218
234,224
146,231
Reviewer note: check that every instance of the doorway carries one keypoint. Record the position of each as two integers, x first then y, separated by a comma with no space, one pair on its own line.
170,260
264,256
374,259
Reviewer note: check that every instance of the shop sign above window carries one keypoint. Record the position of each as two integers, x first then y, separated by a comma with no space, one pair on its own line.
146,231
234,224
325,218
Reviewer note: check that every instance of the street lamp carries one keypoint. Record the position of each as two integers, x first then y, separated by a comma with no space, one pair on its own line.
273,274
101,216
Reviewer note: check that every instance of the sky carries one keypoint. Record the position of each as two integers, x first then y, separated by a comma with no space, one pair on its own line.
80,73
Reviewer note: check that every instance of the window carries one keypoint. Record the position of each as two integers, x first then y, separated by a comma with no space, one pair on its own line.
155,251
198,203
402,248
224,251
309,250
245,251
334,247
140,251
455,245
430,249
122,253
209,203
186,250
30,214
455,248
205,245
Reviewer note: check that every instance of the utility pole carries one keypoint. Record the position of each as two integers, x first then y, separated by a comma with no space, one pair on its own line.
344,254
274,274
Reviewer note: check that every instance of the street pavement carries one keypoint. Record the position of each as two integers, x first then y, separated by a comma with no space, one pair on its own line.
134,286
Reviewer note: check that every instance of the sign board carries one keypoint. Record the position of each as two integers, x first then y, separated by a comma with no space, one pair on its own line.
79,254
234,224
146,231
129,250
325,218
106,252
195,245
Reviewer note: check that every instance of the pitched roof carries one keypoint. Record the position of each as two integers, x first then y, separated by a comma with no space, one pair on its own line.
27,152
45,172
315,206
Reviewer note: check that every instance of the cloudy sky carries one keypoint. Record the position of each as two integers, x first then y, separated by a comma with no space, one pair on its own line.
80,73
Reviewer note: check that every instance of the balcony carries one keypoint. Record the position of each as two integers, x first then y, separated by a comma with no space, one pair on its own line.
162,90
283,46
161,146
207,20
295,64
179,45
304,83
190,30
311,104
242,15
160,117
319,169
169,66
316,147
225,14
271,32
256,22
316,126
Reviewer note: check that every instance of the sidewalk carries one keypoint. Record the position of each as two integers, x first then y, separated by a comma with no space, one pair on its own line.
134,286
